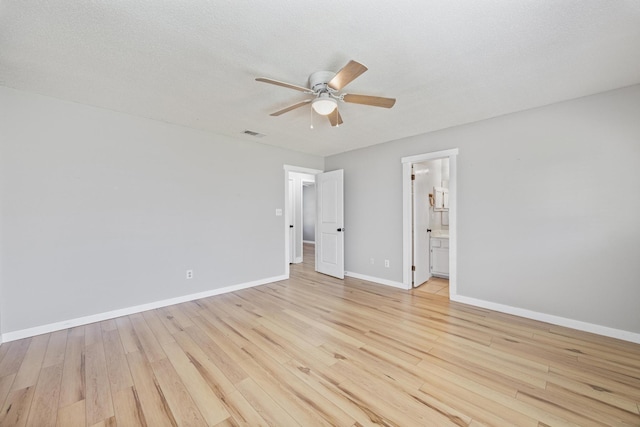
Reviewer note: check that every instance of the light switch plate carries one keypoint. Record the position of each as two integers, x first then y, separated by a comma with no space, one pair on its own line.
278,212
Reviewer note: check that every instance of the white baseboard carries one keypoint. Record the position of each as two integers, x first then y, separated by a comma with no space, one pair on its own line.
549,318
375,280
57,326
311,242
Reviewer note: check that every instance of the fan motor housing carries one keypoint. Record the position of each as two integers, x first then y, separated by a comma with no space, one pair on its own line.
319,80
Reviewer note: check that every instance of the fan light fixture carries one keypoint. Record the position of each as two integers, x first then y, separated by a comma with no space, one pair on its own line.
324,104
325,87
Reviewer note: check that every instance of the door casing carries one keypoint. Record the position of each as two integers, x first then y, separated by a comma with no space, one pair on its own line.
407,246
288,171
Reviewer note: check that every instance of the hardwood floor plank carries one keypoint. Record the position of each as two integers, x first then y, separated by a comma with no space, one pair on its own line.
99,405
291,341
176,316
128,336
147,339
109,422
221,351
116,359
56,349
324,383
29,370
16,407
242,413
481,408
567,400
72,389
182,406
298,410
92,334
158,328
152,400
598,379
205,398
203,361
295,389
5,387
594,392
108,325
73,415
264,405
44,407
128,408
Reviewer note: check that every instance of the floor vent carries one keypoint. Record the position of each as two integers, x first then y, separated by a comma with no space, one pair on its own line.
252,133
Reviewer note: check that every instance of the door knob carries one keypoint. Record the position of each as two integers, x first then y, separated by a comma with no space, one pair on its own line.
291,226
340,229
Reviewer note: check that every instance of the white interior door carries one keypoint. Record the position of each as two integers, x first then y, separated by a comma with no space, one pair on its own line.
330,223
420,196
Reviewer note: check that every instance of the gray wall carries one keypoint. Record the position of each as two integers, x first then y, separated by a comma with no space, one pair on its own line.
102,211
548,208
309,213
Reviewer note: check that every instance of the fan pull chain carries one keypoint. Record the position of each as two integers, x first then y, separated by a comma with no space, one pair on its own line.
311,118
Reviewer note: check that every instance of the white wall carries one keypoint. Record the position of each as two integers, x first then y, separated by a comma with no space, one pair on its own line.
103,211
309,213
566,233
433,178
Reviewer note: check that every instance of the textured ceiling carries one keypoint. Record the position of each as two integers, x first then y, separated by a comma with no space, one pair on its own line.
194,62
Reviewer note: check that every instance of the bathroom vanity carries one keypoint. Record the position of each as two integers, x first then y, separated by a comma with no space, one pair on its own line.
439,247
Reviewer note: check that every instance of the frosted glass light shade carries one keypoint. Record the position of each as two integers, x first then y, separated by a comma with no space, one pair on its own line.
324,105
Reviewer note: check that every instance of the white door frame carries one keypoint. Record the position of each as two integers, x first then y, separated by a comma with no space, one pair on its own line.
287,171
407,249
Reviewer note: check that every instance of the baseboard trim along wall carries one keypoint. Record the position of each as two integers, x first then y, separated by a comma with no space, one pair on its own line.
549,318
52,327
375,280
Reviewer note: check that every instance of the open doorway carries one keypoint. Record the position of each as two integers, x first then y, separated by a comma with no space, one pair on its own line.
429,219
430,225
296,179
296,208
329,219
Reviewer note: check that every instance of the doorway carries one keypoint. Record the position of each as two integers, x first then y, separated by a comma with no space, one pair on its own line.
296,178
415,242
329,219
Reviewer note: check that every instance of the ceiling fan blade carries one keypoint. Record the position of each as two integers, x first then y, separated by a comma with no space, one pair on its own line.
347,74
283,84
376,101
291,107
334,118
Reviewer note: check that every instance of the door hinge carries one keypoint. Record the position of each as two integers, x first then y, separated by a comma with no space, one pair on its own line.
413,177
413,268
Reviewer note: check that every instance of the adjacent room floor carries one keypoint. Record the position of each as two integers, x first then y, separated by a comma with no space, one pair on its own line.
314,350
436,286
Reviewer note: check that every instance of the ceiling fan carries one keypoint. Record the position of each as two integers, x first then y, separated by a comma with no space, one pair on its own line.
325,87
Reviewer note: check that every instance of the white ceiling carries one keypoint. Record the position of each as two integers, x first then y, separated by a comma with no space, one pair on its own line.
194,63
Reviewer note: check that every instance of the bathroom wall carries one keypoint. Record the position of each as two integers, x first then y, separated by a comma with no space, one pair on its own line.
309,213
432,174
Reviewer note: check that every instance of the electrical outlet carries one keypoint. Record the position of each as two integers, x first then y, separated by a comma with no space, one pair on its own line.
189,274
386,263
371,261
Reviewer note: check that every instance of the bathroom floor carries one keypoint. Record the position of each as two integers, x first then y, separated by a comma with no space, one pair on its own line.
435,285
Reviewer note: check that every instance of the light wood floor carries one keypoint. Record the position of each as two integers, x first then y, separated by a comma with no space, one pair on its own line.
317,351
435,285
